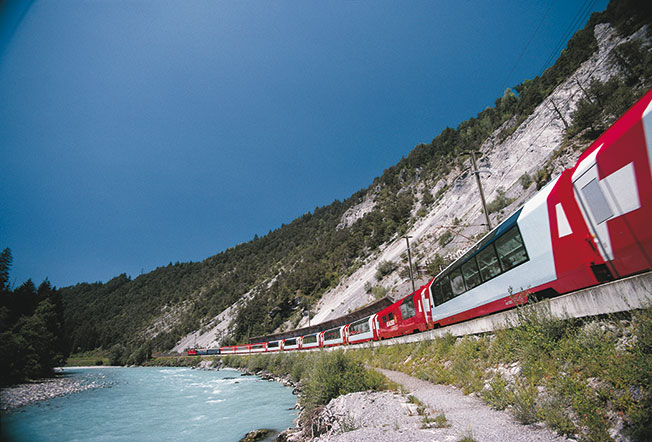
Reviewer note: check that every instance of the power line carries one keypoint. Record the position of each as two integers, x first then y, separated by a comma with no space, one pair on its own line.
518,60
579,18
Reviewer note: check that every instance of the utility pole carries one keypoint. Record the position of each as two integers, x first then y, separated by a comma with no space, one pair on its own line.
407,239
477,173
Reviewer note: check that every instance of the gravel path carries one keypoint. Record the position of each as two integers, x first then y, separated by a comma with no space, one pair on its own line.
469,415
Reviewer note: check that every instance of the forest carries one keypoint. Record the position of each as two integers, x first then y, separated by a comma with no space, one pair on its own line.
287,271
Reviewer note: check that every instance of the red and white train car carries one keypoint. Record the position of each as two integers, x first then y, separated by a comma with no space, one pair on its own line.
313,340
292,343
334,336
408,315
362,330
275,346
228,350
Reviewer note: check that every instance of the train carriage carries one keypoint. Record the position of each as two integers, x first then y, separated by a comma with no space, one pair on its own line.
228,350
258,348
275,346
362,330
334,336
243,349
313,340
291,344
406,316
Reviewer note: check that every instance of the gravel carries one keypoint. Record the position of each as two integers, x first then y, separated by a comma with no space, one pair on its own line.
44,389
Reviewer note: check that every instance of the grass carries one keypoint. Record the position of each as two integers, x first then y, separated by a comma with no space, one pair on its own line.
88,358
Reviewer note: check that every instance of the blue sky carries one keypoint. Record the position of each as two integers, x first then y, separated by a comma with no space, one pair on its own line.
138,133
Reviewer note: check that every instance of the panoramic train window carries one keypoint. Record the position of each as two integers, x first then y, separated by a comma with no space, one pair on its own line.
361,326
272,344
457,282
332,334
511,249
292,341
435,289
488,262
311,339
407,307
256,346
471,273
446,292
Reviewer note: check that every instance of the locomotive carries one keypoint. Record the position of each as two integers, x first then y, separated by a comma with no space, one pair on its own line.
589,225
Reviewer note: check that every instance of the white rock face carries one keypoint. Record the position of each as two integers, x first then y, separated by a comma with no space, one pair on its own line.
217,330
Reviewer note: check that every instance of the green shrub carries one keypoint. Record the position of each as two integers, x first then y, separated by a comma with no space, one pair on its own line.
334,374
384,268
525,402
498,396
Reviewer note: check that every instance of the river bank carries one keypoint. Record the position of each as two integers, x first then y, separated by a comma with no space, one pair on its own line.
43,389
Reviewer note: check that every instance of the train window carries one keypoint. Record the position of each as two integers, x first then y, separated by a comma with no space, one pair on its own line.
597,202
471,273
332,334
310,339
361,326
435,288
256,346
272,344
488,262
446,291
511,249
390,316
384,318
407,308
292,341
457,282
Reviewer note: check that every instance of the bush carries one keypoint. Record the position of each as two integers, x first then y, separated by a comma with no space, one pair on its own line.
500,202
336,373
384,268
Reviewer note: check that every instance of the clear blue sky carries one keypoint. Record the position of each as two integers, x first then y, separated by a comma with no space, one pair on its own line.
135,133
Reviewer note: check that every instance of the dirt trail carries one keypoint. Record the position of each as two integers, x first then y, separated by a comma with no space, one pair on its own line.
470,416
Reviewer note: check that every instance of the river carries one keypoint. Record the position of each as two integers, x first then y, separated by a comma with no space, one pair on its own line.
155,404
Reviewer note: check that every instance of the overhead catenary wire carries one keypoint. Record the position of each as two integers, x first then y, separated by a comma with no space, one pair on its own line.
579,18
527,45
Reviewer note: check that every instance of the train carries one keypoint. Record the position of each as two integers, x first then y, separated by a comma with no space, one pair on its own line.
589,225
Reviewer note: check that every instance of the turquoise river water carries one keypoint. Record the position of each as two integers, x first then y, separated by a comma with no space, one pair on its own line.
155,404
